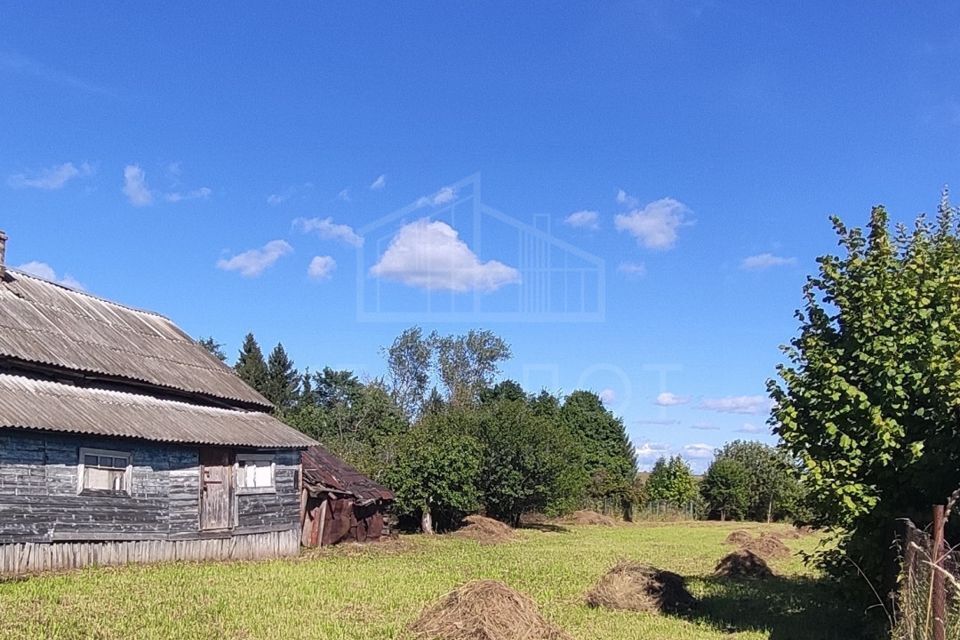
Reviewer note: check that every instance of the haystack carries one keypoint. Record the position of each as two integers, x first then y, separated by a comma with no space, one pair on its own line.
589,517
739,537
786,534
638,587
768,547
743,564
485,530
485,610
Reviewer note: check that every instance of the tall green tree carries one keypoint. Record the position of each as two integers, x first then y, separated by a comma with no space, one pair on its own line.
251,366
726,489
771,476
408,361
609,457
467,364
868,398
436,471
283,380
529,462
671,481
213,347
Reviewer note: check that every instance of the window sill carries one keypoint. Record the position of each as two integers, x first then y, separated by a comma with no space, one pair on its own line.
255,490
104,493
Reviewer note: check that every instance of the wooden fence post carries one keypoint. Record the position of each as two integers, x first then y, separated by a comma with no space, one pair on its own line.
939,594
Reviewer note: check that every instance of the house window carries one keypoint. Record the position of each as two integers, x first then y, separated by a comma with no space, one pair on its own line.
255,473
105,471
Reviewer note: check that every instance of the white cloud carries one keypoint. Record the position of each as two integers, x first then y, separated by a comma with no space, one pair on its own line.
633,269
765,261
379,183
649,452
430,255
275,199
196,194
45,271
344,195
444,196
287,193
655,226
667,399
697,451
658,421
321,267
736,404
626,199
253,262
752,428
50,179
583,219
704,426
135,186
327,229
608,396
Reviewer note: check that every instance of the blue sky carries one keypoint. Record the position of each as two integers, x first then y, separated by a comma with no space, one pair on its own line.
219,164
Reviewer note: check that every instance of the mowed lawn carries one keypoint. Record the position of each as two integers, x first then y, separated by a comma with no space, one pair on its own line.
375,591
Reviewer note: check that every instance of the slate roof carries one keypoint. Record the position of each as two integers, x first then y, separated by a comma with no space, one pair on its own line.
323,470
28,403
49,324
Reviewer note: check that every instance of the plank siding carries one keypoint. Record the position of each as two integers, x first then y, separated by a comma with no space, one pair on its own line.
39,503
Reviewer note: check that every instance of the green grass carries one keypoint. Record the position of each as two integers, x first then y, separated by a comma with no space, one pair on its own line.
373,592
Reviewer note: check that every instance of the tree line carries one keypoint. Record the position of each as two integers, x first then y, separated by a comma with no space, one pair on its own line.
746,480
446,437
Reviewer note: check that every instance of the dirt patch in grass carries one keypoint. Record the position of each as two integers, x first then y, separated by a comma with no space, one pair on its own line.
632,586
742,564
739,537
485,610
588,517
485,530
768,547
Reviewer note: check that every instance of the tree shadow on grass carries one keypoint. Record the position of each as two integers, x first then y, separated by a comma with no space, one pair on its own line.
795,608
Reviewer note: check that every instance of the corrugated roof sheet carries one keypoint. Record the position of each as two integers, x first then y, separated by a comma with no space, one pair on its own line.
320,467
50,324
39,404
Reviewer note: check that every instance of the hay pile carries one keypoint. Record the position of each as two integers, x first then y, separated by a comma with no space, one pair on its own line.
638,587
485,530
739,537
589,517
768,547
743,564
787,534
485,610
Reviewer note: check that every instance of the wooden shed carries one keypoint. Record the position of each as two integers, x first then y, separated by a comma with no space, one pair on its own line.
122,440
340,503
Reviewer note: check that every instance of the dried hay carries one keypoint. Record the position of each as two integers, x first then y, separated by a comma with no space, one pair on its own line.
590,518
786,534
485,610
485,530
742,564
739,537
632,586
768,547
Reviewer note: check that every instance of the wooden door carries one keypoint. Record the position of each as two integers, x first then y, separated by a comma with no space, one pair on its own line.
216,489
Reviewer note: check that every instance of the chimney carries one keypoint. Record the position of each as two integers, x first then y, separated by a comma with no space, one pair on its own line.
3,255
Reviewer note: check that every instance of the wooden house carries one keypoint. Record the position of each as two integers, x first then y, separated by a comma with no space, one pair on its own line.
122,440
341,504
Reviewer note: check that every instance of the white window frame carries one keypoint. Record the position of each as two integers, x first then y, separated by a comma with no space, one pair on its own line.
127,476
242,457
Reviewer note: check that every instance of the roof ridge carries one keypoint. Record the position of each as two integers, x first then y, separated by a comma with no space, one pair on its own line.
87,294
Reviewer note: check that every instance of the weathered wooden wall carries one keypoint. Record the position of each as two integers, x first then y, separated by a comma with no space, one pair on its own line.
39,501
30,557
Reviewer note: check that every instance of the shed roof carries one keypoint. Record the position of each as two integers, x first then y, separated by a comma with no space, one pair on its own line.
322,468
28,403
50,324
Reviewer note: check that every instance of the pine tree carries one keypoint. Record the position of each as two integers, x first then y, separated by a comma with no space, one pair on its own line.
251,367
283,380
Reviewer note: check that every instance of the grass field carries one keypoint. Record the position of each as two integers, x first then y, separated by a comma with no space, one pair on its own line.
373,592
